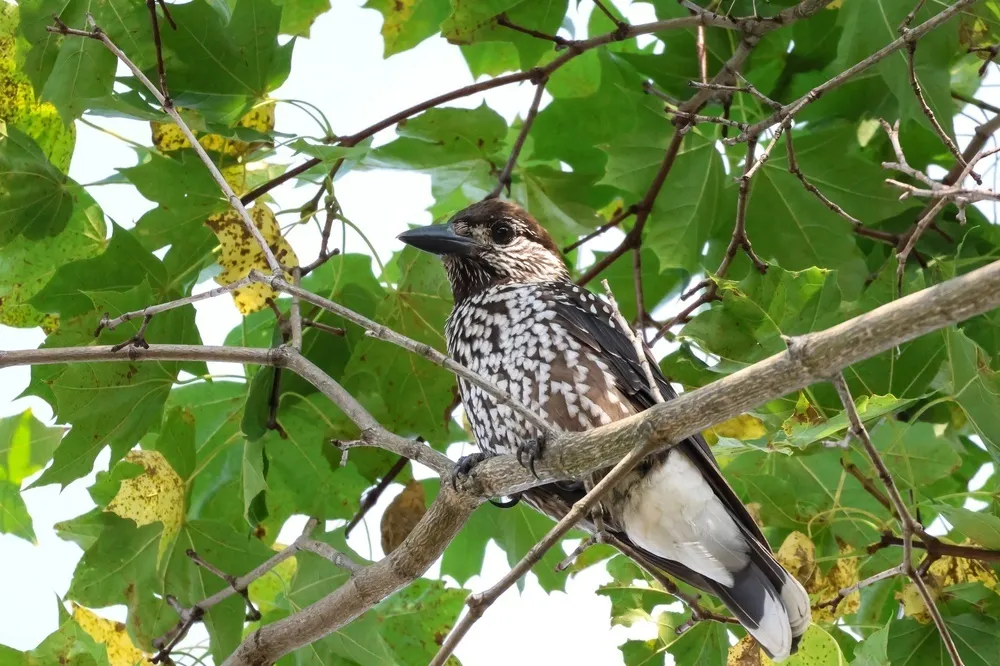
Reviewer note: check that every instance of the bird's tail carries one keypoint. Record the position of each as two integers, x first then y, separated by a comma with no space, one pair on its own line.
768,602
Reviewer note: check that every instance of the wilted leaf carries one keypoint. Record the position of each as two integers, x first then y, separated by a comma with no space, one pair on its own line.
402,515
241,253
156,495
111,634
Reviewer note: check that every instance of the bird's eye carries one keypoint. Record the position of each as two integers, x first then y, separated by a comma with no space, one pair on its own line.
502,233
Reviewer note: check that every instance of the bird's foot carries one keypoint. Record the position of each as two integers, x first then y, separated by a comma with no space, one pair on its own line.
464,467
529,451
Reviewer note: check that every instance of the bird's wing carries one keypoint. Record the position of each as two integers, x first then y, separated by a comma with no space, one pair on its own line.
589,320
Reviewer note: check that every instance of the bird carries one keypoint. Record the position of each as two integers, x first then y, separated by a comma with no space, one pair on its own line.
520,320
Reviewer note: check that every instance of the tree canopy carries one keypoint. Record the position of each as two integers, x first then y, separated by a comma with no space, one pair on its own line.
771,168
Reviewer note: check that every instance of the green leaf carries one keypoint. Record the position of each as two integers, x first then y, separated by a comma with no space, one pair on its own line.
704,643
69,71
109,404
176,441
222,67
418,391
969,379
303,469
690,203
756,312
872,650
69,645
911,643
26,445
185,194
36,199
406,23
818,648
472,22
983,528
124,264
915,453
872,27
20,107
297,16
791,226
515,530
27,265
631,604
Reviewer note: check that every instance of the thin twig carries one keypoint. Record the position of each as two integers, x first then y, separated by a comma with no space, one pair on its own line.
556,39
640,305
381,332
111,324
911,50
372,496
851,589
151,5
192,615
320,326
620,216
908,525
505,176
637,344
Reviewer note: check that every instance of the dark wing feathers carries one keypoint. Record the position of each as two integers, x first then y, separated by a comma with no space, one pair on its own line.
594,329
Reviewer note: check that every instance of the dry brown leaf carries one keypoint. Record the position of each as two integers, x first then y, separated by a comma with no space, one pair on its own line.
402,515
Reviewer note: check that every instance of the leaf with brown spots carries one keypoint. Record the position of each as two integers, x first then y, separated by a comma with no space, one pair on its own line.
240,253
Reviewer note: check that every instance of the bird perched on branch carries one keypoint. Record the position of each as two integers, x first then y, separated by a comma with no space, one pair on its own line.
520,321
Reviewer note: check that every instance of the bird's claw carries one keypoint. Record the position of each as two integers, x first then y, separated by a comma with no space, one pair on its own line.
528,452
464,467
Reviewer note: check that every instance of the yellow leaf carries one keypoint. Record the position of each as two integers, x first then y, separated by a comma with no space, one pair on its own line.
402,516
798,555
746,652
744,427
112,634
944,573
156,495
240,253
167,137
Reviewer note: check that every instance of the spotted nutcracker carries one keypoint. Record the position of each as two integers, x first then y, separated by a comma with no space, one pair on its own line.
520,321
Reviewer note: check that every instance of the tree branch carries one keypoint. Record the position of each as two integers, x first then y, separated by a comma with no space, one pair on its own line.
504,179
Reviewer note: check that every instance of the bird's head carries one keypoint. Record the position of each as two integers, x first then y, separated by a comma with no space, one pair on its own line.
490,243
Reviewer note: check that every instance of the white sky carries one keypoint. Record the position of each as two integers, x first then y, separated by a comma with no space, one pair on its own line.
340,70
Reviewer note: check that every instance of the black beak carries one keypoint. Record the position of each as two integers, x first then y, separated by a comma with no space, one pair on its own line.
438,239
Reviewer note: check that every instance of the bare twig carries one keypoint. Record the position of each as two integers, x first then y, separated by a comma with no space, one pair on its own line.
151,5
137,340
640,305
911,51
555,39
991,55
372,496
620,216
111,324
320,326
505,176
851,589
637,344
295,314
908,525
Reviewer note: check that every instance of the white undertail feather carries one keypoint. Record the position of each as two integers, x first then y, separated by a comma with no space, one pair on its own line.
675,514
